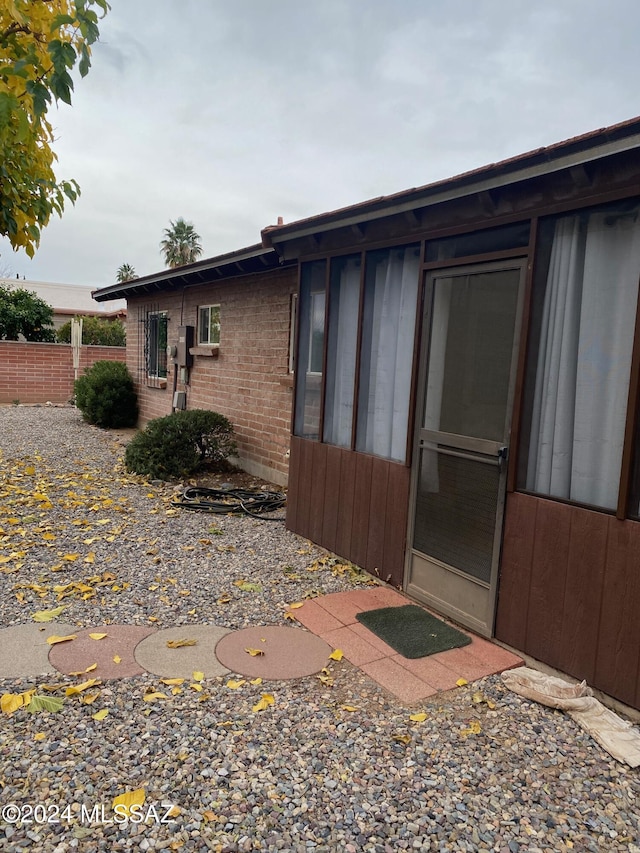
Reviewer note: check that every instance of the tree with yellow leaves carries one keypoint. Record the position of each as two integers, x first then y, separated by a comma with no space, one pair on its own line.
40,43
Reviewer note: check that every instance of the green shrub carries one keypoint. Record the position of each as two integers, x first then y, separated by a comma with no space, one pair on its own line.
105,395
178,444
96,331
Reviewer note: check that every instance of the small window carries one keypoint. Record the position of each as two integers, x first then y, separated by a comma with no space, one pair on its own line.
156,344
209,324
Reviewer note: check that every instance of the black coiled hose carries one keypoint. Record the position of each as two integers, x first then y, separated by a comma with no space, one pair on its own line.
234,501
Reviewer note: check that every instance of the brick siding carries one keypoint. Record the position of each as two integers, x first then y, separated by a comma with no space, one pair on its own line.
40,373
248,381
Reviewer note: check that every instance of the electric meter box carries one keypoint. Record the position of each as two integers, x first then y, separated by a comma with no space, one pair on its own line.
183,357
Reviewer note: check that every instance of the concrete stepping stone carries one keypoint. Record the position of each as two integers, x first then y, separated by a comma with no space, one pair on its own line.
76,655
156,657
287,652
24,651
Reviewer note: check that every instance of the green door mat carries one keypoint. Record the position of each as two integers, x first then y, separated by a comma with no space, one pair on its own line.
411,631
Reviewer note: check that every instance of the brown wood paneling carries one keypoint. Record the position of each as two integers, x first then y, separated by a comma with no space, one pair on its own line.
377,512
547,588
305,484
618,656
332,505
293,494
515,569
361,505
346,499
583,592
395,524
316,499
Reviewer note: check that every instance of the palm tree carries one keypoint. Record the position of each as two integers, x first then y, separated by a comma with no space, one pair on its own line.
181,244
125,272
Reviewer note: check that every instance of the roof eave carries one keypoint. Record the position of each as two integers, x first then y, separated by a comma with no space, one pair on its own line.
537,163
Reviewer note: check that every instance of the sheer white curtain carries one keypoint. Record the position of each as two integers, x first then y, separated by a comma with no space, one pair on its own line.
384,413
341,358
584,359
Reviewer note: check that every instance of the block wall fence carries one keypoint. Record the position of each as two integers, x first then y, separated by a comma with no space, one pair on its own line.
41,373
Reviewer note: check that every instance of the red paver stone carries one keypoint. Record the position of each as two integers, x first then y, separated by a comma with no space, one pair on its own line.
398,680
76,655
288,652
356,649
316,618
342,605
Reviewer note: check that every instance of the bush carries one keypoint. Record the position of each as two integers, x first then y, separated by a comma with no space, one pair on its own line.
178,444
96,331
105,395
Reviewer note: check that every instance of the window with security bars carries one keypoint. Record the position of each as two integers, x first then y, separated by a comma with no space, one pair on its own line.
155,338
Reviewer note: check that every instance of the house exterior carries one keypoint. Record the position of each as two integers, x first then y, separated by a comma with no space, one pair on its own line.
217,335
465,403
464,417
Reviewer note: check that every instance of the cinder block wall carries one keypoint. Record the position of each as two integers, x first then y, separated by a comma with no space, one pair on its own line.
40,373
249,380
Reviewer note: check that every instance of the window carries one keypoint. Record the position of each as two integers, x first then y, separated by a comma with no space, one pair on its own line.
579,360
293,314
388,331
342,342
156,344
209,325
310,350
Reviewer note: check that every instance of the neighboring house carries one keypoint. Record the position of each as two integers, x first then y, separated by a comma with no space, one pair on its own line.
465,408
467,383
216,335
68,300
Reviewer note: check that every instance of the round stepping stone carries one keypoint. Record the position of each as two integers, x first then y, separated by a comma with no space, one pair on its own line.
24,651
156,657
75,656
287,652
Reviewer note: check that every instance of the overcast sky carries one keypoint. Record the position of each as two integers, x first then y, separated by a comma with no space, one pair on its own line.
233,113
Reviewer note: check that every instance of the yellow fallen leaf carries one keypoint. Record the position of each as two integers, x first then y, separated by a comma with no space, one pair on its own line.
198,676
117,659
89,698
78,688
256,681
100,715
461,682
418,718
224,599
349,708
54,639
170,681
39,736
90,558
210,816
10,702
127,800
266,700
178,644
97,636
174,811
290,616
30,470
151,697
296,605
176,691
47,615
336,654
71,558
234,684
254,652
474,729
402,738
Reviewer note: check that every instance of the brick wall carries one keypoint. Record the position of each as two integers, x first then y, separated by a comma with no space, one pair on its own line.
248,381
40,373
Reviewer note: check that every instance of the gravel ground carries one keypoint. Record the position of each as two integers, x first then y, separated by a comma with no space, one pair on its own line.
485,769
